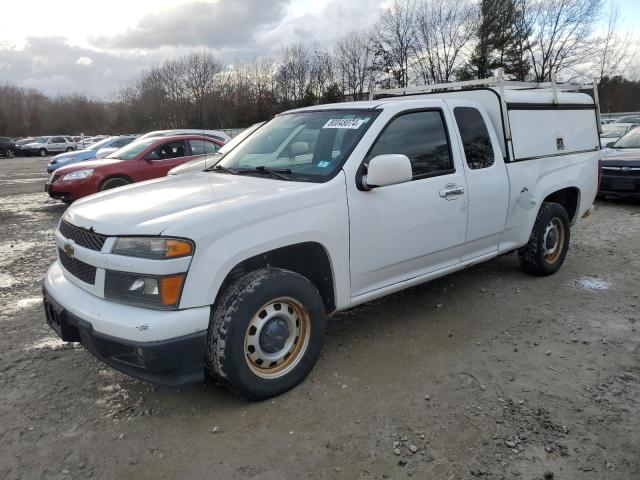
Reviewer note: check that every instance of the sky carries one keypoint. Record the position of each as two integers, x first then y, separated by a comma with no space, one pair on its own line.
95,47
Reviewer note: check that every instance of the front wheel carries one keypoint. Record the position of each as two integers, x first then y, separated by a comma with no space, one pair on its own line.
266,332
42,152
549,241
69,149
10,153
114,183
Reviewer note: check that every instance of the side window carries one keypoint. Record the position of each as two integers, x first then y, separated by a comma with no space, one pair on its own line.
168,150
202,147
121,143
475,137
57,140
422,137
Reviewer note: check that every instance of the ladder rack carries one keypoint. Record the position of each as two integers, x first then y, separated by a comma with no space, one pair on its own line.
501,84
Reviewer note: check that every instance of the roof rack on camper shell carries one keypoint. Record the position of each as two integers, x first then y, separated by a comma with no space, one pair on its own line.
503,87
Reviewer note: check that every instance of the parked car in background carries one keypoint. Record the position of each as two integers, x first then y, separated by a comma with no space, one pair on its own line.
86,142
7,147
200,164
141,160
110,143
20,143
107,149
44,146
634,118
215,134
612,132
621,167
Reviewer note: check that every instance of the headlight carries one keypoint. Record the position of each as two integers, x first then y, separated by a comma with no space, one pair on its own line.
78,175
150,291
156,248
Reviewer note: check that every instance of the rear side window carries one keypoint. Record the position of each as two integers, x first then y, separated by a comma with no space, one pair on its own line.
202,147
475,137
175,149
422,137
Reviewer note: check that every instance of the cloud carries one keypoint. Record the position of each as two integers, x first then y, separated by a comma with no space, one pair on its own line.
53,66
234,30
217,25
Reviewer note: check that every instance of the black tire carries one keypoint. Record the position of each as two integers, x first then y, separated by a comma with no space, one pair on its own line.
42,152
10,152
538,257
233,321
114,182
69,149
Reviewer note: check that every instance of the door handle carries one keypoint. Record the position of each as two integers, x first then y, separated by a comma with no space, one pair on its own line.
451,191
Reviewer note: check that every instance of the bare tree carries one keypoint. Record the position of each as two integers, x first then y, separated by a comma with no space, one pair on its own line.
444,30
394,41
354,59
615,52
561,39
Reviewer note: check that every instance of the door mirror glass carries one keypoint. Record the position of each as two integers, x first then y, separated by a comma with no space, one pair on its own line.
388,169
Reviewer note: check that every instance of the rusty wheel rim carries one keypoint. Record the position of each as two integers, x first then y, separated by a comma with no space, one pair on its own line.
277,337
553,240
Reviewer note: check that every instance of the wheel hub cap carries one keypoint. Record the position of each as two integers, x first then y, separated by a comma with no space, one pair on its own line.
277,337
553,240
273,335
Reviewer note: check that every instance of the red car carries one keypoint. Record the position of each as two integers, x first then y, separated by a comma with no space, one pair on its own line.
142,159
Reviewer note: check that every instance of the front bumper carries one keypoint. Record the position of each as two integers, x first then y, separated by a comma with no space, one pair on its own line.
622,184
162,347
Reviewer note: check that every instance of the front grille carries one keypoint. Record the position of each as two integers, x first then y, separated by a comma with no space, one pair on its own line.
82,237
81,270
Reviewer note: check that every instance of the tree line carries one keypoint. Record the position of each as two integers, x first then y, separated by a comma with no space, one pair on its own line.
413,42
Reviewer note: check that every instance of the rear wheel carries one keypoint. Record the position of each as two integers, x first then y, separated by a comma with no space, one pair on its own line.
114,183
549,241
266,332
42,152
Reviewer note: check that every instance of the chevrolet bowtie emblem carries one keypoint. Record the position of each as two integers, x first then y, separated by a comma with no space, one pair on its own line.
68,249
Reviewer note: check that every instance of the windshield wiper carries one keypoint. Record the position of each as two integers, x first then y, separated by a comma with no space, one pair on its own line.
221,168
280,173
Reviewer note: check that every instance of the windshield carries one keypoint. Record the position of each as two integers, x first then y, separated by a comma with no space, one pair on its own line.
630,140
628,119
102,143
131,150
231,144
40,139
305,146
614,130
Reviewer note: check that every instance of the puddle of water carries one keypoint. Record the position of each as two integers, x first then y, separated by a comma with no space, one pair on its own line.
591,283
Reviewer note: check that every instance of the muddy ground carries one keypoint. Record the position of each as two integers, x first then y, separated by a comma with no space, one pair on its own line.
487,373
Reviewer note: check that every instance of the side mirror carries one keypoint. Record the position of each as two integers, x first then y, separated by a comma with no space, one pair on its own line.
610,144
389,169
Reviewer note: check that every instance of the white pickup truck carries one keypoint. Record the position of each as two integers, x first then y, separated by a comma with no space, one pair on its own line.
234,269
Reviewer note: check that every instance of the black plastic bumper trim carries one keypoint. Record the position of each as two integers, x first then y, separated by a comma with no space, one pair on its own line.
174,362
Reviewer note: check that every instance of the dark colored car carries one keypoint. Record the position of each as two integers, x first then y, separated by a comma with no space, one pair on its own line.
621,167
141,160
7,147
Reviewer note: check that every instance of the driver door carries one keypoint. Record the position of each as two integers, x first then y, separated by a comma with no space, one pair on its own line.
403,231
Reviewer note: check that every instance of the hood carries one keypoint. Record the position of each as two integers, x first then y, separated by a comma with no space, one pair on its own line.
193,166
149,208
623,157
89,164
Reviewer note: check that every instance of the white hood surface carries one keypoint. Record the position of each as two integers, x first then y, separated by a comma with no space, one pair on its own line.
149,208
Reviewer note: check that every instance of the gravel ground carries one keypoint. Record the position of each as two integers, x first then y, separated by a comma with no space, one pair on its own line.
486,373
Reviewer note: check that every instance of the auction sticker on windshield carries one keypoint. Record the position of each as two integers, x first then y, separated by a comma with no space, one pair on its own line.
353,123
